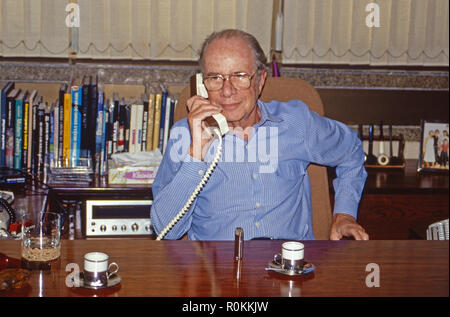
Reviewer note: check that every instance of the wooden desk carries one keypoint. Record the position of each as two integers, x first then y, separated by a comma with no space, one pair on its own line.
187,268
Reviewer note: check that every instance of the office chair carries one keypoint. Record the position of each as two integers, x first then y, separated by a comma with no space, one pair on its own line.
438,230
285,89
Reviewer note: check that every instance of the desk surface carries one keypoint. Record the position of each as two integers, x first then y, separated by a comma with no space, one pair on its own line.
187,268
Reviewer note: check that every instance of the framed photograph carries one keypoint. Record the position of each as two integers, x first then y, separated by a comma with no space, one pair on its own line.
434,146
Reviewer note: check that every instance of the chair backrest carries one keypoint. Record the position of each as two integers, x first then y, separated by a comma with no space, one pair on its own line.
285,89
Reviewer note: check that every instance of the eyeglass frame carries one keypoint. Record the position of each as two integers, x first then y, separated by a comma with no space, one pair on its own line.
227,77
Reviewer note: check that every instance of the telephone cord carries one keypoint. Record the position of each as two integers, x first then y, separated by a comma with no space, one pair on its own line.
197,190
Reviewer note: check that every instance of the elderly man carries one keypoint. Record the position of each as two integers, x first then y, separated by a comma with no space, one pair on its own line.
266,201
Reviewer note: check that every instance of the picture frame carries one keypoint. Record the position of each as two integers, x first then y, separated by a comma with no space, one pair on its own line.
434,143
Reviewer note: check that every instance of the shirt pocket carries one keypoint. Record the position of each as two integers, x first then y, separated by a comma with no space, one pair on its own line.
290,170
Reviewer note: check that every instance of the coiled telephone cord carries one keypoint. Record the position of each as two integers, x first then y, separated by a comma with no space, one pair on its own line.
197,190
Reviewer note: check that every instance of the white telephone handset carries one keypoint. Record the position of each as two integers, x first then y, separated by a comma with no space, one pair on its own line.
220,119
220,128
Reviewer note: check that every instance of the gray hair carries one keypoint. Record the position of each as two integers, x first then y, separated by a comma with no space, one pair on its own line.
260,57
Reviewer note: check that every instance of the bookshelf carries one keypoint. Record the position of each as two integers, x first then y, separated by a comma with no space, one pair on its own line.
83,119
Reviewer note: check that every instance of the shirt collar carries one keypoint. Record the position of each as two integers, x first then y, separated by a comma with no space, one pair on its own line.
266,115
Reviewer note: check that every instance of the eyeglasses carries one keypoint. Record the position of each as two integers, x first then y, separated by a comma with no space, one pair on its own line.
238,80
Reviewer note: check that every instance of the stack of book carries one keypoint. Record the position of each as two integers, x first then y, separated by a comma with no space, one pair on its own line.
80,126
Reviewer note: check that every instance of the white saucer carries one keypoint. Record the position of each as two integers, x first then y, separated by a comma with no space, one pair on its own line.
112,281
306,268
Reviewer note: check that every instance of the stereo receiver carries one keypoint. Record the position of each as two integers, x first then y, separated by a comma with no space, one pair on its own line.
117,217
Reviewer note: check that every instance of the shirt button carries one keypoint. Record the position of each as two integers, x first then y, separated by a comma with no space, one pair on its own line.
255,176
200,172
257,204
257,224
246,146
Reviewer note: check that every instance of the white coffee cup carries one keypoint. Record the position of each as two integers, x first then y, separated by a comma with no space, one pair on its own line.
292,254
96,268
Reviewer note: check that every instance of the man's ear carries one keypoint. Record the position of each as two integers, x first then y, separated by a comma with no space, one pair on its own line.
262,81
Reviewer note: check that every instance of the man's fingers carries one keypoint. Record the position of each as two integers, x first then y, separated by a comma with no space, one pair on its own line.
357,232
349,230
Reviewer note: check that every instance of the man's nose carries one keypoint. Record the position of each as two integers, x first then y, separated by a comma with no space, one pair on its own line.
228,88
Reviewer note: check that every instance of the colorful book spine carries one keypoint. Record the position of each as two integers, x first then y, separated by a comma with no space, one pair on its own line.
26,132
40,153
50,133
92,116
99,131
55,131
67,127
10,123
61,124
18,131
150,121
83,107
47,135
127,115
75,126
103,153
3,117
157,121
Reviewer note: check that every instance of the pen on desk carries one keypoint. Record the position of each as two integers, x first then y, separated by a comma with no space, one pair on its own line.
238,244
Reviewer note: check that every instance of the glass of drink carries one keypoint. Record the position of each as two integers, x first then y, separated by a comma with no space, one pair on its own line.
41,240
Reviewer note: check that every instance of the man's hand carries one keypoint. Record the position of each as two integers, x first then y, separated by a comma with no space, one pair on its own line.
199,109
346,226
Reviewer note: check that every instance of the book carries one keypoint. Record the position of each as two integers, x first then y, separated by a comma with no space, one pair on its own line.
150,120
144,123
162,120
25,131
115,121
30,102
109,130
99,131
61,122
92,117
76,118
3,116
54,130
47,137
18,129
166,123
139,124
157,121
35,137
67,126
121,127
10,125
83,107
173,107
40,133
103,153
127,114
133,128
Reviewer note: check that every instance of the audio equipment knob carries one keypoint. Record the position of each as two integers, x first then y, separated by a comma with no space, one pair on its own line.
147,228
102,228
134,227
123,228
114,228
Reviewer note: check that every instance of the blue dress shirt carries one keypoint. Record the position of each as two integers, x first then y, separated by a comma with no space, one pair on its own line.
261,185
